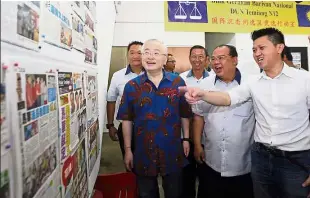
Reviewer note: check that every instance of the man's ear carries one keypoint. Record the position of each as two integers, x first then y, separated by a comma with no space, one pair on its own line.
280,48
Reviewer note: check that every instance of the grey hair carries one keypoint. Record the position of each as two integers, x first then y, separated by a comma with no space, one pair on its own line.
157,41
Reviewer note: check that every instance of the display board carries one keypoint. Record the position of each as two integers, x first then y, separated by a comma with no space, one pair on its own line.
50,125
291,17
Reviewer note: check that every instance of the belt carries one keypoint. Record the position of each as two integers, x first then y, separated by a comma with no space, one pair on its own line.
286,154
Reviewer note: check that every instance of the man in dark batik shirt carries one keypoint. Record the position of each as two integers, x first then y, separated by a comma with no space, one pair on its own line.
153,109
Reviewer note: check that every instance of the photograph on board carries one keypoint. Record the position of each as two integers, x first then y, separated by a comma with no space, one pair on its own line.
65,35
27,22
36,90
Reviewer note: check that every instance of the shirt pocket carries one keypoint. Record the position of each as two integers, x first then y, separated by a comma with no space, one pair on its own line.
244,110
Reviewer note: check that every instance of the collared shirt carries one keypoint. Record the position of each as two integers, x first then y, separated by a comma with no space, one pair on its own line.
118,81
192,81
228,130
281,108
156,114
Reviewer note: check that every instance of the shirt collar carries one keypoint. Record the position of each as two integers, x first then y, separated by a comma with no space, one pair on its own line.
191,74
237,77
129,70
166,75
286,71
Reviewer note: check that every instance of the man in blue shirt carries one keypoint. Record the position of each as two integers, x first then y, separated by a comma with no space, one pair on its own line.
152,108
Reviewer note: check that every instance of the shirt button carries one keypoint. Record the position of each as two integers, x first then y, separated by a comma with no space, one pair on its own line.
223,139
223,150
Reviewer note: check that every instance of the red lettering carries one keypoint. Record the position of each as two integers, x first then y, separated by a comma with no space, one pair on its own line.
222,20
238,22
245,22
259,23
252,22
214,20
230,21
286,23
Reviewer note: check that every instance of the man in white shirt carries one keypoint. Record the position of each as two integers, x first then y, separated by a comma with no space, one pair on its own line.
199,58
228,132
281,99
118,81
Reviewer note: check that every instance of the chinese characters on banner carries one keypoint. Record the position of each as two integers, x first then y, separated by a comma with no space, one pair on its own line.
237,16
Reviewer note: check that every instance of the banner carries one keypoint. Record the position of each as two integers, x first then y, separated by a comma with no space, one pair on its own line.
237,16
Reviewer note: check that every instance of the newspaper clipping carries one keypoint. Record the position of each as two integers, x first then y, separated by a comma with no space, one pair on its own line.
74,173
39,133
72,110
93,144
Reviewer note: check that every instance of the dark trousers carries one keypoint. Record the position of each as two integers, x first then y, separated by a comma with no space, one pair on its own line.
216,186
121,140
190,173
278,174
172,185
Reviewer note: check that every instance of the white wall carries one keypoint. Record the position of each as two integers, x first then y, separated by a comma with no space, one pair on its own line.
105,33
145,20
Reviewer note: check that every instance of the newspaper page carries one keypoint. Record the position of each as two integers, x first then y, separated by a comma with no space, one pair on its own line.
93,134
74,173
72,107
5,168
37,108
92,99
20,23
93,144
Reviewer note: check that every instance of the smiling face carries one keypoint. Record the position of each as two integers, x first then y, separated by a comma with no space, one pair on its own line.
223,63
198,59
134,55
265,53
154,55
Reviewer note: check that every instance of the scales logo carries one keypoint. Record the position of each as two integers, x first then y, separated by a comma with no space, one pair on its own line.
187,11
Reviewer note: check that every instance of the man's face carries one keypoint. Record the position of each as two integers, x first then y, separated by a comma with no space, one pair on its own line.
222,63
134,55
198,59
154,56
264,52
170,65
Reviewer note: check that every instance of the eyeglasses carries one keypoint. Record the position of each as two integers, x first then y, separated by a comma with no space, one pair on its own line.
153,54
219,58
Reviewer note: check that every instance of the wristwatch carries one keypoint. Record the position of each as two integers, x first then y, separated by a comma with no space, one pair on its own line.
108,126
186,139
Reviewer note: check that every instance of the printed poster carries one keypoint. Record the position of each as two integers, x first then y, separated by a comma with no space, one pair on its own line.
93,144
20,23
57,26
74,173
92,99
73,120
4,124
78,33
38,132
90,47
78,8
5,166
5,177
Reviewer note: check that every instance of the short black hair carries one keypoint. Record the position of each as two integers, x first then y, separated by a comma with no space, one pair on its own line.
199,47
232,50
133,43
287,52
273,34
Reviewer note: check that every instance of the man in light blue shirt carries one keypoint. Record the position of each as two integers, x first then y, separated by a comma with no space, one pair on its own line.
228,132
